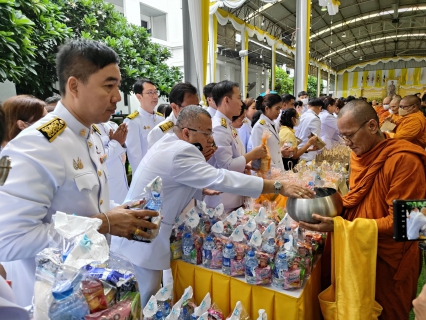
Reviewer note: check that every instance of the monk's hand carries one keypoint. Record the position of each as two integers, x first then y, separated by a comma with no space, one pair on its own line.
326,224
296,191
209,192
419,305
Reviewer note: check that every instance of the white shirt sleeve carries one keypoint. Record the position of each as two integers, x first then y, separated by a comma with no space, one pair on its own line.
224,155
256,135
191,169
133,143
315,126
154,135
112,148
26,197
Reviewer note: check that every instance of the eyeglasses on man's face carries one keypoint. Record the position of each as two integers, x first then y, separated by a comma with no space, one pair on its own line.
406,107
152,93
349,137
207,134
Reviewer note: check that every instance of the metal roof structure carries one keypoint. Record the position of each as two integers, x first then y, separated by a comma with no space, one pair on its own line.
361,31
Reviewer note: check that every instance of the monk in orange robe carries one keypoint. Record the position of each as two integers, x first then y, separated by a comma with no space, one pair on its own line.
382,170
413,124
391,114
385,106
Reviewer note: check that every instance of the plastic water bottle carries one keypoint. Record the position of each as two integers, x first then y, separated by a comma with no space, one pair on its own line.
184,315
159,315
251,264
280,266
208,247
187,246
67,304
287,233
228,255
166,309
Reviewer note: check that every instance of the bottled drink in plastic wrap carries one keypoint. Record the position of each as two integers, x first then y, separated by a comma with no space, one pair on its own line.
251,265
67,304
280,266
208,247
228,255
159,315
187,246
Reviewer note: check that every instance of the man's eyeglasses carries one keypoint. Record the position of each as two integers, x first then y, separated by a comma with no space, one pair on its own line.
406,107
207,134
348,138
152,93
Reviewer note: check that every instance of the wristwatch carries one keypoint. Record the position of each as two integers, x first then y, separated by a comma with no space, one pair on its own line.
278,185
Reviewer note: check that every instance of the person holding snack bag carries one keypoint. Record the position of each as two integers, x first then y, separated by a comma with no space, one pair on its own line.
178,161
58,165
271,108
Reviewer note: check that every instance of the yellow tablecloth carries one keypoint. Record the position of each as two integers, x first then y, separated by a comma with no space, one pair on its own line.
226,291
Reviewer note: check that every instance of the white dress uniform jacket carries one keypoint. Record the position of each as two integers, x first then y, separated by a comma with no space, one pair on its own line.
309,123
185,173
230,156
273,142
245,132
211,111
277,121
161,129
329,130
8,307
56,167
116,158
139,123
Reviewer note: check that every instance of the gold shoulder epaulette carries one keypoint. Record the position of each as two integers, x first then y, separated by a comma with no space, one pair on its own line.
245,121
262,122
52,129
95,128
166,126
133,115
223,123
159,114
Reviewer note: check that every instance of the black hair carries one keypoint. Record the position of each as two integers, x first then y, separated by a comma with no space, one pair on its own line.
161,107
328,102
81,58
255,117
138,86
243,108
269,100
298,103
259,101
167,111
288,97
223,89
286,117
350,98
177,94
53,99
316,102
341,103
424,97
208,89
302,93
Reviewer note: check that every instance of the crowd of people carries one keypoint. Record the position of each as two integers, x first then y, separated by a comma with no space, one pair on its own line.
68,156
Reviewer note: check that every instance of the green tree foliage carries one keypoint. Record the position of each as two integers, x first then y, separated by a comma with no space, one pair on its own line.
312,87
32,30
283,82
98,20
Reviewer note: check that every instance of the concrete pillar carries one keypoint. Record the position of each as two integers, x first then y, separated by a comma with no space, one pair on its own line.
212,50
328,82
189,67
335,84
274,62
244,65
318,81
132,11
303,21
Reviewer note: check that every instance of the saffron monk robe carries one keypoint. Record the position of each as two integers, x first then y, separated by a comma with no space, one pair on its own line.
382,170
413,124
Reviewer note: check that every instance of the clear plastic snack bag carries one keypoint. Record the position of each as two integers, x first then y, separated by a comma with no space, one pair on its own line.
150,309
239,313
263,165
164,298
150,199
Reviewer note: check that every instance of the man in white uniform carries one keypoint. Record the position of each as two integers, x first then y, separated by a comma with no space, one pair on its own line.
231,154
207,91
304,97
329,130
142,121
288,102
113,138
57,165
185,173
310,123
181,95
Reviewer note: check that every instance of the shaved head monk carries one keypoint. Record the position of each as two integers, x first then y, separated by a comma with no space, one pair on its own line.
382,170
392,114
413,123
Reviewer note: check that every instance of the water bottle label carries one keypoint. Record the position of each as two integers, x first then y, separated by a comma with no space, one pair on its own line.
207,254
250,271
226,262
186,250
279,273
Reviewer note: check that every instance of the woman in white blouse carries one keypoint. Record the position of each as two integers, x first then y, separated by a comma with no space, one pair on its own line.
329,130
271,108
